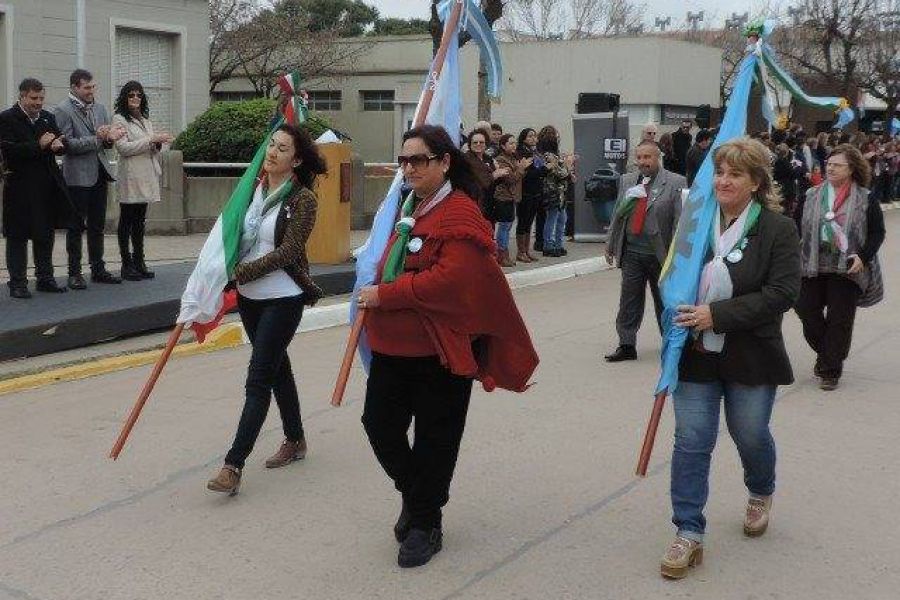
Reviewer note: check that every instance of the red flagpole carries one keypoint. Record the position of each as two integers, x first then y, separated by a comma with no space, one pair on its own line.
145,393
650,435
447,38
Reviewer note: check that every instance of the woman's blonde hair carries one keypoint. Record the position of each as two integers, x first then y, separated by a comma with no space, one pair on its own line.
750,156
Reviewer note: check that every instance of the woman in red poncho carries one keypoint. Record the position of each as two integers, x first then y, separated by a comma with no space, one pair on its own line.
442,316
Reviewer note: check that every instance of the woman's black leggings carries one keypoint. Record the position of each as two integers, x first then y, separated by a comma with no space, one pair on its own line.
132,218
525,213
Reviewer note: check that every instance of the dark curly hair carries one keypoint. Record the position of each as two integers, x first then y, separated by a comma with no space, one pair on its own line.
463,174
121,106
311,162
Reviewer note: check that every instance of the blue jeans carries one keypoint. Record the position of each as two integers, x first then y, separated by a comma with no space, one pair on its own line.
603,212
748,409
554,227
503,229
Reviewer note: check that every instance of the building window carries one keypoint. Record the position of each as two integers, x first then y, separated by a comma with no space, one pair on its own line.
324,99
378,100
233,96
149,57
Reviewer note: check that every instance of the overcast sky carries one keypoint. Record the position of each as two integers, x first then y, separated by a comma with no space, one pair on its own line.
716,10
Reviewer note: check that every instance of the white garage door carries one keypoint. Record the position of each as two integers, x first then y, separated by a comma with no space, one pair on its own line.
149,57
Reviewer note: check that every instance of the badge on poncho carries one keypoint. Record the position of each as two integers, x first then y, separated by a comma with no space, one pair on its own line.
829,216
414,245
735,256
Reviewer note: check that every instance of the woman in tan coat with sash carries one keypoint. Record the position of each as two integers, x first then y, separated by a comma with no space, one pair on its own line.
137,180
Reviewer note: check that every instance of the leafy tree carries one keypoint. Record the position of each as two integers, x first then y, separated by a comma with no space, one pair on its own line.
346,18
231,131
394,26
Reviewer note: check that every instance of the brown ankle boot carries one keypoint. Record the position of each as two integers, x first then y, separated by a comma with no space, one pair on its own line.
287,453
506,260
228,481
521,249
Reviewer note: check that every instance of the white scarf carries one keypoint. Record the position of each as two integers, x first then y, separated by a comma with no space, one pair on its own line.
715,282
259,208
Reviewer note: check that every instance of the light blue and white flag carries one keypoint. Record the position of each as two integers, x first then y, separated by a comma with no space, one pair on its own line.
475,24
680,277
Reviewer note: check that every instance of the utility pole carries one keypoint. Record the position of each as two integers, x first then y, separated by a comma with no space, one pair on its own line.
663,23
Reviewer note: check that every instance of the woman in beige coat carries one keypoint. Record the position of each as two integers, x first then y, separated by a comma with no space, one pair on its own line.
137,181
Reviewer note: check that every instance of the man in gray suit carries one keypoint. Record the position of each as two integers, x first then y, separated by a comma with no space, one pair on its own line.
644,221
85,126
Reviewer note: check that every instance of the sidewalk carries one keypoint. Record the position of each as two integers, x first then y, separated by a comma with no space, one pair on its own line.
160,249
172,254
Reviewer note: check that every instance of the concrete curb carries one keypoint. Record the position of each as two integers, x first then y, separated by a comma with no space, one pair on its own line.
232,335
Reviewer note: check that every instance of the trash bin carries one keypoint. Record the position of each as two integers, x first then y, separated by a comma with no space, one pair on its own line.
601,190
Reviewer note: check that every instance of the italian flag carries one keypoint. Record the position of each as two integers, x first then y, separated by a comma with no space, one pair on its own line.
205,301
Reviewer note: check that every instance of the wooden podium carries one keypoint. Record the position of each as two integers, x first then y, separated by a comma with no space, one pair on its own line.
330,239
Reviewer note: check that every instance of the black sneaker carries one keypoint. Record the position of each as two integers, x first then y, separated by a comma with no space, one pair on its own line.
419,546
20,291
403,524
77,282
50,286
104,277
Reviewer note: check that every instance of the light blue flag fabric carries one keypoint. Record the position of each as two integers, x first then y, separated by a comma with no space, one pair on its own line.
475,24
895,126
445,110
680,277
844,118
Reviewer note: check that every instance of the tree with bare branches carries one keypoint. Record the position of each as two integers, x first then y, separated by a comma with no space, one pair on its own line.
571,19
261,44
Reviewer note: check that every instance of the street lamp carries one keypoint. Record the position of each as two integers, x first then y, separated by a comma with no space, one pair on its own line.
694,19
663,23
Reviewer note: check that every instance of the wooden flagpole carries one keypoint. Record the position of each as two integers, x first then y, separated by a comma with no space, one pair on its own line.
145,393
447,37
650,435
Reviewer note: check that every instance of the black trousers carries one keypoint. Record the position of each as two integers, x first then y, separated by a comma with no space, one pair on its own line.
526,210
827,308
637,271
132,224
270,325
403,388
17,259
90,215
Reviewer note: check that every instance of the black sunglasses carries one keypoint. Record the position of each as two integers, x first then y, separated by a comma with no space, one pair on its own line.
416,161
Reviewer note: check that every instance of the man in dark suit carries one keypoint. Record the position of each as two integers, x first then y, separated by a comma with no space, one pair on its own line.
681,143
87,171
644,221
35,201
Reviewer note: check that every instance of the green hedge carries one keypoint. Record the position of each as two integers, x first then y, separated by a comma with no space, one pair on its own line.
232,131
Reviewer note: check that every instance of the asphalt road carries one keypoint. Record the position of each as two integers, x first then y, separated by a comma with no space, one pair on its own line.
544,503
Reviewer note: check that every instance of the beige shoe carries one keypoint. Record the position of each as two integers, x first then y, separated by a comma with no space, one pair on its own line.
681,555
757,519
288,453
228,481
